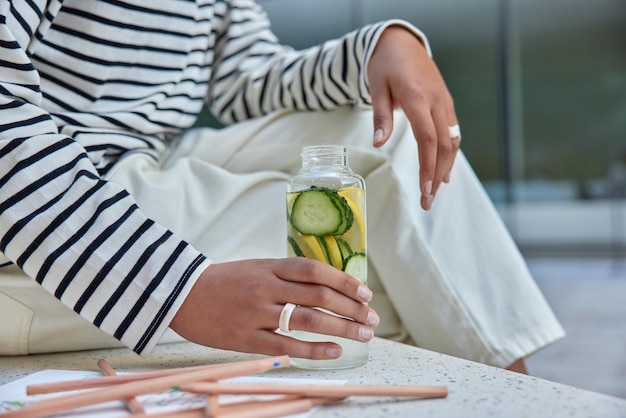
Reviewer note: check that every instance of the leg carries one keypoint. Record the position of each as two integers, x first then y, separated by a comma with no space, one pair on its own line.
453,275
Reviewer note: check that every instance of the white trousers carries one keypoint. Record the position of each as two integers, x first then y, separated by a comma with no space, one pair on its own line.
450,279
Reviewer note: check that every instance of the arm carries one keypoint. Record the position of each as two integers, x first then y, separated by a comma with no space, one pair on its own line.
85,240
387,65
82,238
254,75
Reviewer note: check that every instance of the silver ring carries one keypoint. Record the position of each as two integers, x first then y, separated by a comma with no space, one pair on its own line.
285,317
455,131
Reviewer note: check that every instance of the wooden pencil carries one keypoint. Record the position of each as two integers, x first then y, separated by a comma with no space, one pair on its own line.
250,404
186,413
96,382
247,409
311,390
268,409
158,384
132,403
212,405
272,408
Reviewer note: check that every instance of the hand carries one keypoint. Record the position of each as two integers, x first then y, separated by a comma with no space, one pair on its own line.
402,75
236,306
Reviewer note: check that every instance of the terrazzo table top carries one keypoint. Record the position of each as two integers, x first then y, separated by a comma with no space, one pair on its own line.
475,390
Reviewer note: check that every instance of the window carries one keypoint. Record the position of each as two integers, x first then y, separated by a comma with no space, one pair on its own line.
540,90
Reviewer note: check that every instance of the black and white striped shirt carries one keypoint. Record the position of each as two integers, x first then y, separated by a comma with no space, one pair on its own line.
84,83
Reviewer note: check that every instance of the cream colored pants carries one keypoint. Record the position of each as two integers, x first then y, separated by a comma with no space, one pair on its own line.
449,280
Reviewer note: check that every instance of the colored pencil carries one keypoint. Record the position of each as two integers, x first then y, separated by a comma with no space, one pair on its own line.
157,384
315,390
96,382
132,403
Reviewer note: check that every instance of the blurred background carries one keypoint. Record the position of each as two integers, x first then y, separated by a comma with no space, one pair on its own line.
540,92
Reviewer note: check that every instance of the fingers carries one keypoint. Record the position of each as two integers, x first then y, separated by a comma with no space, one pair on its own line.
455,137
402,74
332,314
304,270
234,305
437,150
272,344
328,299
382,108
320,322
456,144
430,124
445,152
426,133
325,287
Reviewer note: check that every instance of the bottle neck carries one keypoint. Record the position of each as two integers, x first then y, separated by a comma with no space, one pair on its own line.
324,155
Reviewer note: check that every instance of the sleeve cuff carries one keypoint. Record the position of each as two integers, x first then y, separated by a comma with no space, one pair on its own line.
365,101
161,318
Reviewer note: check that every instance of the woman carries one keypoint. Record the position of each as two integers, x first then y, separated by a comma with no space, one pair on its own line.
110,205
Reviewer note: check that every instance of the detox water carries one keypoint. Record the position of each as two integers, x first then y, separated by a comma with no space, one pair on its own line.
326,221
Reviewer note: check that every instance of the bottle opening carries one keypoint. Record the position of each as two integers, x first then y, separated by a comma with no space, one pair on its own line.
322,150
324,155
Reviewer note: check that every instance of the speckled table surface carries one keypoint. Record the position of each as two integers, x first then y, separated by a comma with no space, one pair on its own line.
475,390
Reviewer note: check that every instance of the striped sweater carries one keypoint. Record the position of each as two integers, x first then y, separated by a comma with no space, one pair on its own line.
84,83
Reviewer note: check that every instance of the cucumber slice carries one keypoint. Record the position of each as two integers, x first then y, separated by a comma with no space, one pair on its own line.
356,266
294,247
347,215
345,250
321,211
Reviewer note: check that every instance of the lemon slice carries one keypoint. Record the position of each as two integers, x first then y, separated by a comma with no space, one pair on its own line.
291,197
333,252
356,235
310,247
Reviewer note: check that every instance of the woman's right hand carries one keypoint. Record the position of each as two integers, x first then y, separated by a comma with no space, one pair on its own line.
236,306
402,75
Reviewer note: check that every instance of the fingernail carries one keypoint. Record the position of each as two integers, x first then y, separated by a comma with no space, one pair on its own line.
366,333
373,319
446,178
429,201
428,188
364,293
378,136
333,352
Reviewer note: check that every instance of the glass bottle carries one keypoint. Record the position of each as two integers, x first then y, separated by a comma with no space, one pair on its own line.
326,221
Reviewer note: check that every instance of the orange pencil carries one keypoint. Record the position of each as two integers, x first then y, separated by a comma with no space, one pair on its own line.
132,403
335,391
248,409
67,385
270,409
158,384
